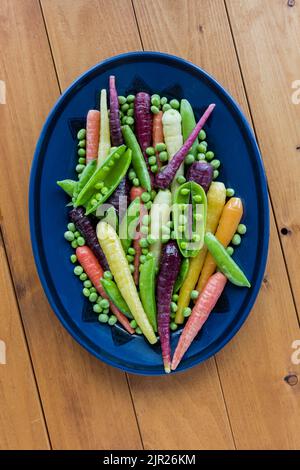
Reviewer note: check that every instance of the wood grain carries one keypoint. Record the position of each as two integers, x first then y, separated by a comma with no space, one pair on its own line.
268,43
87,404
22,424
219,434
252,367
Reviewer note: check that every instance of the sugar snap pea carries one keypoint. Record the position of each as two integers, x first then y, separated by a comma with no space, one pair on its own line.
147,290
128,224
184,268
115,296
138,161
68,186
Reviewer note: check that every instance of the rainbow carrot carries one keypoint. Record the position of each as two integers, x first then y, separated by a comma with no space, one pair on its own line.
92,135
91,266
134,193
157,133
203,307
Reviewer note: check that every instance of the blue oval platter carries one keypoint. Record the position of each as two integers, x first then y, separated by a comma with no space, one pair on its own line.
233,142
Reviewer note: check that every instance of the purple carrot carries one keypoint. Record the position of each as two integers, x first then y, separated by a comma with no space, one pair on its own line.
114,114
143,124
120,197
169,269
165,177
201,173
85,227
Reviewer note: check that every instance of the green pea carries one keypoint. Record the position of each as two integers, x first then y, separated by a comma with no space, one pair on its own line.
186,312
155,100
181,229
136,182
94,202
166,107
196,237
81,134
173,326
130,258
107,275
81,241
86,292
130,121
202,134
197,198
163,101
104,303
144,230
194,294
174,307
131,251
82,143
131,106
189,159
103,318
205,143
69,236
81,152
160,147
145,251
180,179
143,243
93,289
97,308
76,234
99,299
209,155
81,161
175,104
154,168
143,259
111,163
93,297
184,191
133,324
130,98
106,311
130,113
112,320
215,174
148,205
71,227
121,115
124,108
152,160
230,192
98,196
154,109
200,156
149,255
201,148
145,197
172,315
87,283
230,250
132,268
175,297
153,194
215,164
163,156
79,168
131,174
183,245
146,219
138,331
99,185
151,239
236,239
124,120
83,277
73,258
104,190
122,100
242,229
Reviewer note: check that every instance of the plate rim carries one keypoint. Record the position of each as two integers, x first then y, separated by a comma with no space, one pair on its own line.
264,197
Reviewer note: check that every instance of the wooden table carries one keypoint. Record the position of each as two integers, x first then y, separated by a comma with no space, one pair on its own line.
53,394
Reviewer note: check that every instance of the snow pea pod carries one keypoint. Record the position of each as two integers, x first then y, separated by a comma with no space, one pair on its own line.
147,290
115,296
188,123
127,225
189,211
68,186
225,262
184,268
138,161
85,176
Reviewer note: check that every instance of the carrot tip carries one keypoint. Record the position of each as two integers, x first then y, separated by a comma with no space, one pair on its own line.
167,367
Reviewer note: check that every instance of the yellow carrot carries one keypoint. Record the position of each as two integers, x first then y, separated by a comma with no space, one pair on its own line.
118,264
104,141
230,219
216,197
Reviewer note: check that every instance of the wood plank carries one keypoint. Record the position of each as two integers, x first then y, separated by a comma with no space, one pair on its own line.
87,404
64,46
268,43
252,367
22,425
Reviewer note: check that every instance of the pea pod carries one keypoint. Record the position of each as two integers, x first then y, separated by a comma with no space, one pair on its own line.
68,186
127,226
104,180
147,290
85,176
115,296
138,161
188,124
190,218
225,262
184,268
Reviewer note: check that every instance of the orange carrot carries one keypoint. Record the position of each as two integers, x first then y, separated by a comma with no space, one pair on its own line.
157,133
92,134
134,193
203,307
91,266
